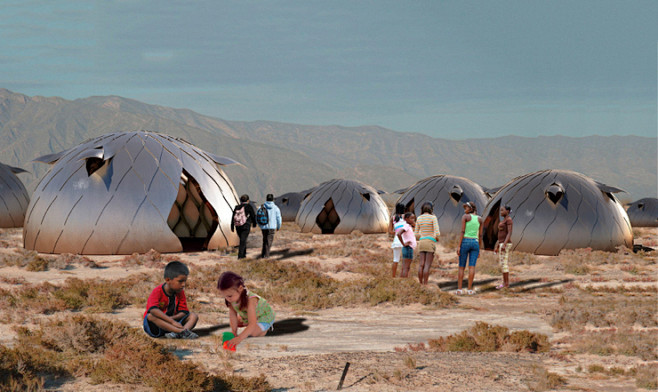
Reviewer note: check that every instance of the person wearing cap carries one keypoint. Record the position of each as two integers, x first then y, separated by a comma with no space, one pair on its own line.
469,246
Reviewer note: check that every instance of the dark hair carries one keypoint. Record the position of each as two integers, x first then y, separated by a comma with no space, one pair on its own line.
269,197
174,269
231,280
244,198
399,211
508,208
408,214
428,207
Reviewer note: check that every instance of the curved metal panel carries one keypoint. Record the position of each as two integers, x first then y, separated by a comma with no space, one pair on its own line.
558,209
124,205
643,212
356,205
13,197
289,204
447,194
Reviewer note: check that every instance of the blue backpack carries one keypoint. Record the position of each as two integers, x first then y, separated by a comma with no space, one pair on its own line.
262,217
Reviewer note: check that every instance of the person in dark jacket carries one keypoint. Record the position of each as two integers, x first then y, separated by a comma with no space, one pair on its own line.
244,218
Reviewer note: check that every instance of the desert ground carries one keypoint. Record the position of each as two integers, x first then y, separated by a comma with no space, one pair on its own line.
581,321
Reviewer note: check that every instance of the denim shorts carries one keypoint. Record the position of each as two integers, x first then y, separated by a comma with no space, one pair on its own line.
407,252
154,331
266,326
470,249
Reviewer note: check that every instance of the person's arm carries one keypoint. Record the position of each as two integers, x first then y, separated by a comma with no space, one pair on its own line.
437,232
252,324
181,306
278,218
233,320
155,312
480,231
400,237
251,215
390,227
233,217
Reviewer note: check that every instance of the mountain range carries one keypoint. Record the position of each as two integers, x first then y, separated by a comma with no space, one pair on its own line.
280,157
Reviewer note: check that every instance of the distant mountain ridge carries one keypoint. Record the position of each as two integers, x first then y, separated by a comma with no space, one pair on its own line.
280,157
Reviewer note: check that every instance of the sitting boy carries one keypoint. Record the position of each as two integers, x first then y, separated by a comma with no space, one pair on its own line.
166,309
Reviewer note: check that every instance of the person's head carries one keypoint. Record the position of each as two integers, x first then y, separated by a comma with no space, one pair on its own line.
231,287
244,198
175,274
470,208
410,218
269,197
427,208
505,210
399,209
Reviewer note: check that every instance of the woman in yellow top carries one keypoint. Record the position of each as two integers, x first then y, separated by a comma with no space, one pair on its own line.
469,245
427,231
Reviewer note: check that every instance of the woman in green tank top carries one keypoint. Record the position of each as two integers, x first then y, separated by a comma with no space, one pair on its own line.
469,246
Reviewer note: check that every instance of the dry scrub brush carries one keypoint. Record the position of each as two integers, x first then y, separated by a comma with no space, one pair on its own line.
483,337
92,295
106,351
301,286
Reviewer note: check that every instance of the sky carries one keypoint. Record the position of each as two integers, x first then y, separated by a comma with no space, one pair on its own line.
449,69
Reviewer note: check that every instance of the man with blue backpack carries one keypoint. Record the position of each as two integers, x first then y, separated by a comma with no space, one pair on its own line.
268,217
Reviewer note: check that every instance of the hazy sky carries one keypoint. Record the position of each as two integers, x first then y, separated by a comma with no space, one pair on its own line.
452,69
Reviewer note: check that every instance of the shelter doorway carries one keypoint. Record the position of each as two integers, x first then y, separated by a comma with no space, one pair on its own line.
328,219
490,231
192,218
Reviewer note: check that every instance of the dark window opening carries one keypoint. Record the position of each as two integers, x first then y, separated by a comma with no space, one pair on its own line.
554,193
610,196
93,164
456,193
328,219
640,206
284,200
192,218
366,196
490,229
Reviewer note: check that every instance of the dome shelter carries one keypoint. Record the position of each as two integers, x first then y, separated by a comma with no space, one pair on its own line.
130,192
643,212
559,209
342,206
13,197
289,204
448,195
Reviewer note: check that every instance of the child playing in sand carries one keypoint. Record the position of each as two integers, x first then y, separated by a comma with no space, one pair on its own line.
245,309
408,240
166,308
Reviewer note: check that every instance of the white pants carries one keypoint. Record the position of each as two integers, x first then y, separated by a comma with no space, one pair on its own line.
397,252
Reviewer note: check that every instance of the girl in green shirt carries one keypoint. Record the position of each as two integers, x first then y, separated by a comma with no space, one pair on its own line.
246,309
469,245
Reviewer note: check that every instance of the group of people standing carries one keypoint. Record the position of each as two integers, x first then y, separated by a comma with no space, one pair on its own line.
244,218
423,233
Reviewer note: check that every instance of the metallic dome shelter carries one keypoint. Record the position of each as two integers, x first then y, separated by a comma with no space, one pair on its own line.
643,212
448,195
289,204
559,209
342,206
13,197
130,192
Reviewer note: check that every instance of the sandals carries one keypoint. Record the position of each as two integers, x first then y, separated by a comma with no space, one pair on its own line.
470,292
460,292
464,291
500,286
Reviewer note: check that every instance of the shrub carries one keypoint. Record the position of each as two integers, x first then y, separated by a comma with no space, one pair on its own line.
107,351
483,337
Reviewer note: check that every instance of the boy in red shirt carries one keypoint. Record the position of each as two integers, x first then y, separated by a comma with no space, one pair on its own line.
166,308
